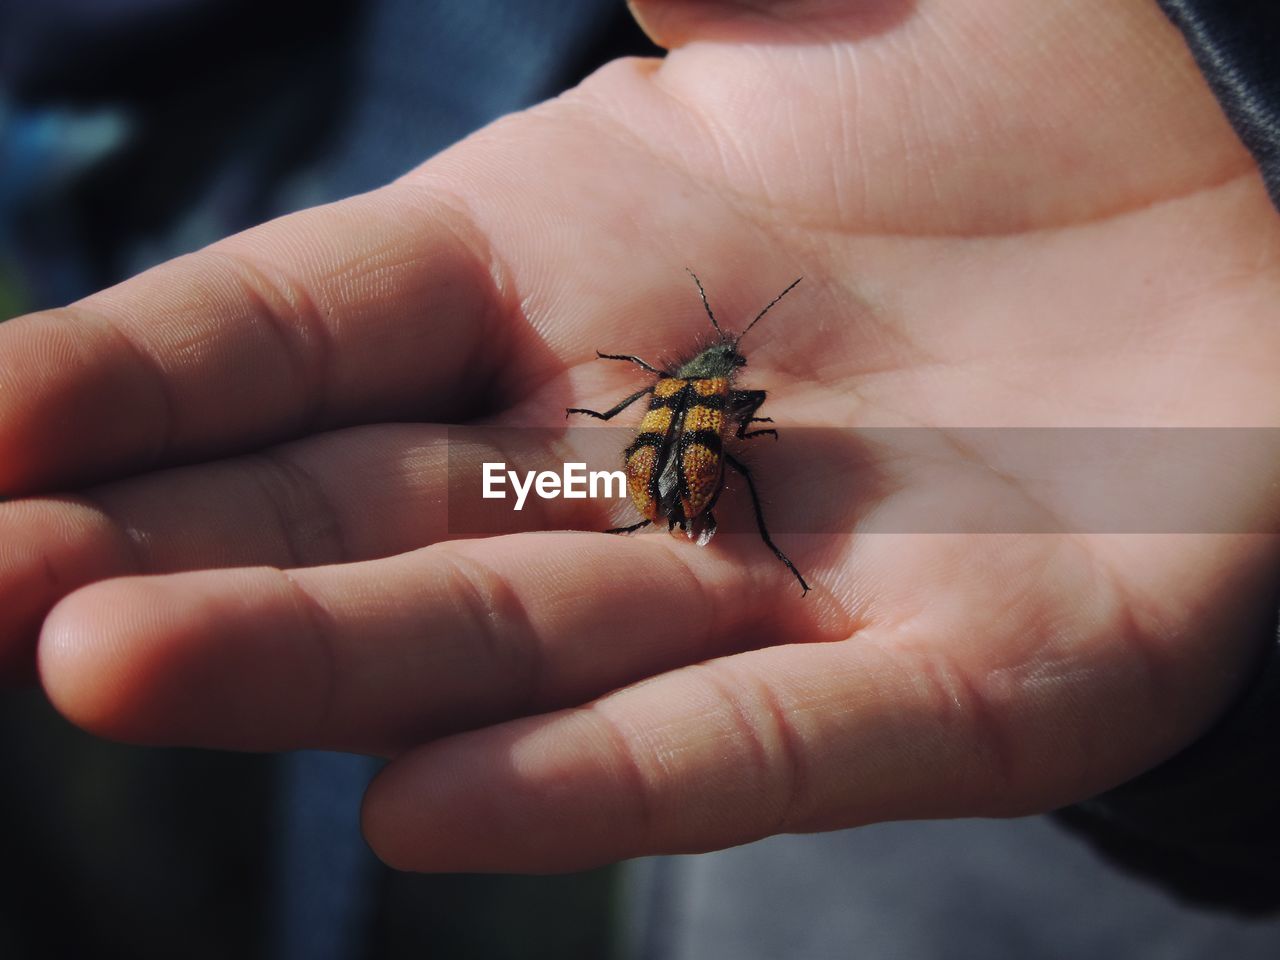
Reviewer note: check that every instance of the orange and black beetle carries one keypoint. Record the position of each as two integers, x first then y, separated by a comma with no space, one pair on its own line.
675,465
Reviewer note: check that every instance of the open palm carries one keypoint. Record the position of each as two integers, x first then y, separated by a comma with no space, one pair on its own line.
1006,214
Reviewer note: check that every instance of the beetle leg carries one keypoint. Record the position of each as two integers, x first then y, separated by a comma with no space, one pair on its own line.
633,359
631,529
743,405
610,414
764,532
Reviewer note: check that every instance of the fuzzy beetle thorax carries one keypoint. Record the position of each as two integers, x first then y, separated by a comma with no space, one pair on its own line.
720,360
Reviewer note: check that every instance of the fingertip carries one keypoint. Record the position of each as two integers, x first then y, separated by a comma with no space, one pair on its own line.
210,659
378,824
86,657
48,547
410,812
523,797
52,384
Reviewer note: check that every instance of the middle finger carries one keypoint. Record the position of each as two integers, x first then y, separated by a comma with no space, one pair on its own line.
380,655
340,497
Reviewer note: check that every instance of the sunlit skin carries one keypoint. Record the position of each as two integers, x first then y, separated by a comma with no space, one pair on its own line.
1006,214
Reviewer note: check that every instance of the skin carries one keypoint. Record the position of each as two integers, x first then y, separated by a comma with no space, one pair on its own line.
1006,214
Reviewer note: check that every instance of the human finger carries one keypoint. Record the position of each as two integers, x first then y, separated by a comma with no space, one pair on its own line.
379,655
956,119
332,498
369,309
782,739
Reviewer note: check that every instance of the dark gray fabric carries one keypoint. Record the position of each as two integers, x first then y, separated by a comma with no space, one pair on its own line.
945,890
1237,45
1205,823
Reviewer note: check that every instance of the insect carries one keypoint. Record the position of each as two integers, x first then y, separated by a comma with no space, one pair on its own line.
675,465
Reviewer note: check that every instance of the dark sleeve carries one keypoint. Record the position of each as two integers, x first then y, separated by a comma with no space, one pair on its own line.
1206,824
1237,45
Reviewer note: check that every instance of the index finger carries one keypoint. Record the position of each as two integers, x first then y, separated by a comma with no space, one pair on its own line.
371,308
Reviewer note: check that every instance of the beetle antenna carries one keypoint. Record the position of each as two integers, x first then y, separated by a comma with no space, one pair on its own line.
790,287
703,294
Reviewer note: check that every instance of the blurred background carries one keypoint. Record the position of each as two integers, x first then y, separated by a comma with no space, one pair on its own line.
132,131
135,130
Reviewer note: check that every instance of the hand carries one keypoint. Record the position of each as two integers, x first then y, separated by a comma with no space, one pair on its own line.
1007,214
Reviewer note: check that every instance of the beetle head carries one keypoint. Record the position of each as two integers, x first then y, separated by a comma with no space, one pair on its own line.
727,339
